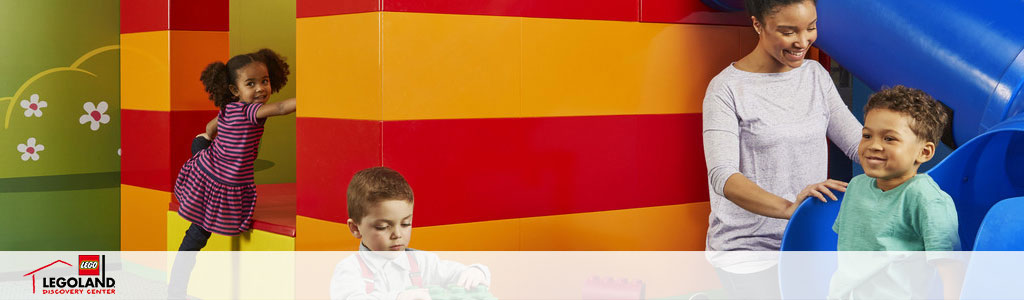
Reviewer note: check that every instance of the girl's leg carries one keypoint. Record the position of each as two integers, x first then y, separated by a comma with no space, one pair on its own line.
199,143
195,239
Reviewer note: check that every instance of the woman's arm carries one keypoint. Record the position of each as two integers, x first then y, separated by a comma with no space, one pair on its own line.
746,194
722,155
843,128
278,108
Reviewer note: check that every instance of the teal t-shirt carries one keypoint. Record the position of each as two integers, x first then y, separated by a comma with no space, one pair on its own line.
915,216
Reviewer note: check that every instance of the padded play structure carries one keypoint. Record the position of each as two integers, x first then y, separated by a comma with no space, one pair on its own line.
939,53
969,57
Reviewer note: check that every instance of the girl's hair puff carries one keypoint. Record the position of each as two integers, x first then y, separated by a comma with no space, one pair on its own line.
218,76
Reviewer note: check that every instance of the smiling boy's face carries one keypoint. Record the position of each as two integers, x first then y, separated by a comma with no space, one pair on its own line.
889,150
387,226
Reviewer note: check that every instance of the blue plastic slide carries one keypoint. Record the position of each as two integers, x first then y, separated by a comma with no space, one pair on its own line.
967,54
970,56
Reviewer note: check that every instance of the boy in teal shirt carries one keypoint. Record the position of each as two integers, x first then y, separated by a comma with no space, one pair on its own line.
890,207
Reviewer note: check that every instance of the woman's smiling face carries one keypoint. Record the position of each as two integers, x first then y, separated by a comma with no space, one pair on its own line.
787,33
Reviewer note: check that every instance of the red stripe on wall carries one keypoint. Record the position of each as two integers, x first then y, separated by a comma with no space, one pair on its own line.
469,170
318,8
658,11
144,140
143,15
154,145
689,12
616,10
328,153
152,15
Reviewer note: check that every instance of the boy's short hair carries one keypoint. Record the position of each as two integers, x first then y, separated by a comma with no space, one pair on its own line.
928,117
370,186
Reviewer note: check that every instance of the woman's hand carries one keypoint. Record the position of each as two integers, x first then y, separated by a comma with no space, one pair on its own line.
820,190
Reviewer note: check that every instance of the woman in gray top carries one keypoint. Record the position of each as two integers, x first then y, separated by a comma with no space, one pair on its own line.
766,119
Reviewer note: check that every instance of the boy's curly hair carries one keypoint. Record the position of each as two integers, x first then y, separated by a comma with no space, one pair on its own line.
928,117
373,185
218,76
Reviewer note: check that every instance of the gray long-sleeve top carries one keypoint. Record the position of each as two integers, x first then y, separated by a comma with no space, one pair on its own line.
772,128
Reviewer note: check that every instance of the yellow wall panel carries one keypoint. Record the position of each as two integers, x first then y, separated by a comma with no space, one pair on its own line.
142,218
337,68
176,226
145,76
313,234
450,66
252,240
588,67
191,52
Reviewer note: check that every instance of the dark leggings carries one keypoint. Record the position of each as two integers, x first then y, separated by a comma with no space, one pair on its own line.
195,239
199,143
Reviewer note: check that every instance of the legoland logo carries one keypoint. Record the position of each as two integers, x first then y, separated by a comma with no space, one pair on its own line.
88,265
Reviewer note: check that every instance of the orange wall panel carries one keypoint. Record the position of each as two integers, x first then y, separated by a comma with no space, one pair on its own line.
664,228
680,227
190,52
338,66
438,66
143,218
585,67
145,76
450,66
313,234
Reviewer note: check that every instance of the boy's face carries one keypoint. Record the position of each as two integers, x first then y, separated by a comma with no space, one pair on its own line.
889,151
387,226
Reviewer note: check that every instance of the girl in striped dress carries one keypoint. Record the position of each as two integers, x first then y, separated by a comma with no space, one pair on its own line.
215,187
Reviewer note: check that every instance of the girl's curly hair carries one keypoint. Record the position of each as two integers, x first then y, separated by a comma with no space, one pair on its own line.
218,76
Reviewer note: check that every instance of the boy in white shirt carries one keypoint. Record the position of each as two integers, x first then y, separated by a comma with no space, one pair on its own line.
380,207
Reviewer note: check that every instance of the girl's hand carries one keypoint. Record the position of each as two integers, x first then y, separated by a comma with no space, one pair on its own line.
820,190
470,278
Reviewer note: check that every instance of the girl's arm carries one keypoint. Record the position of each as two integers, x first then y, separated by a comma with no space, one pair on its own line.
278,108
211,129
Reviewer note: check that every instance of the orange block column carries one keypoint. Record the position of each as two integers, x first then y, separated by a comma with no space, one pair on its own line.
165,44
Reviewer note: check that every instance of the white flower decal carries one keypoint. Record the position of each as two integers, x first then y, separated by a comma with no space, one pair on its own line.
33,107
95,114
30,150
118,151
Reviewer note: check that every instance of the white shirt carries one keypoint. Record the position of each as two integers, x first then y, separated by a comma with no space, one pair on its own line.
391,275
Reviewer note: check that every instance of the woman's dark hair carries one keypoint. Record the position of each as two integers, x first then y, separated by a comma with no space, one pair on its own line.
218,76
763,8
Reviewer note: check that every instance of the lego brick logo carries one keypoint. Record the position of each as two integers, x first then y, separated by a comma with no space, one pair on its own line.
88,265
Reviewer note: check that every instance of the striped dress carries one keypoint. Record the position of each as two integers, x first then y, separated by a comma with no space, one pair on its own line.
215,187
